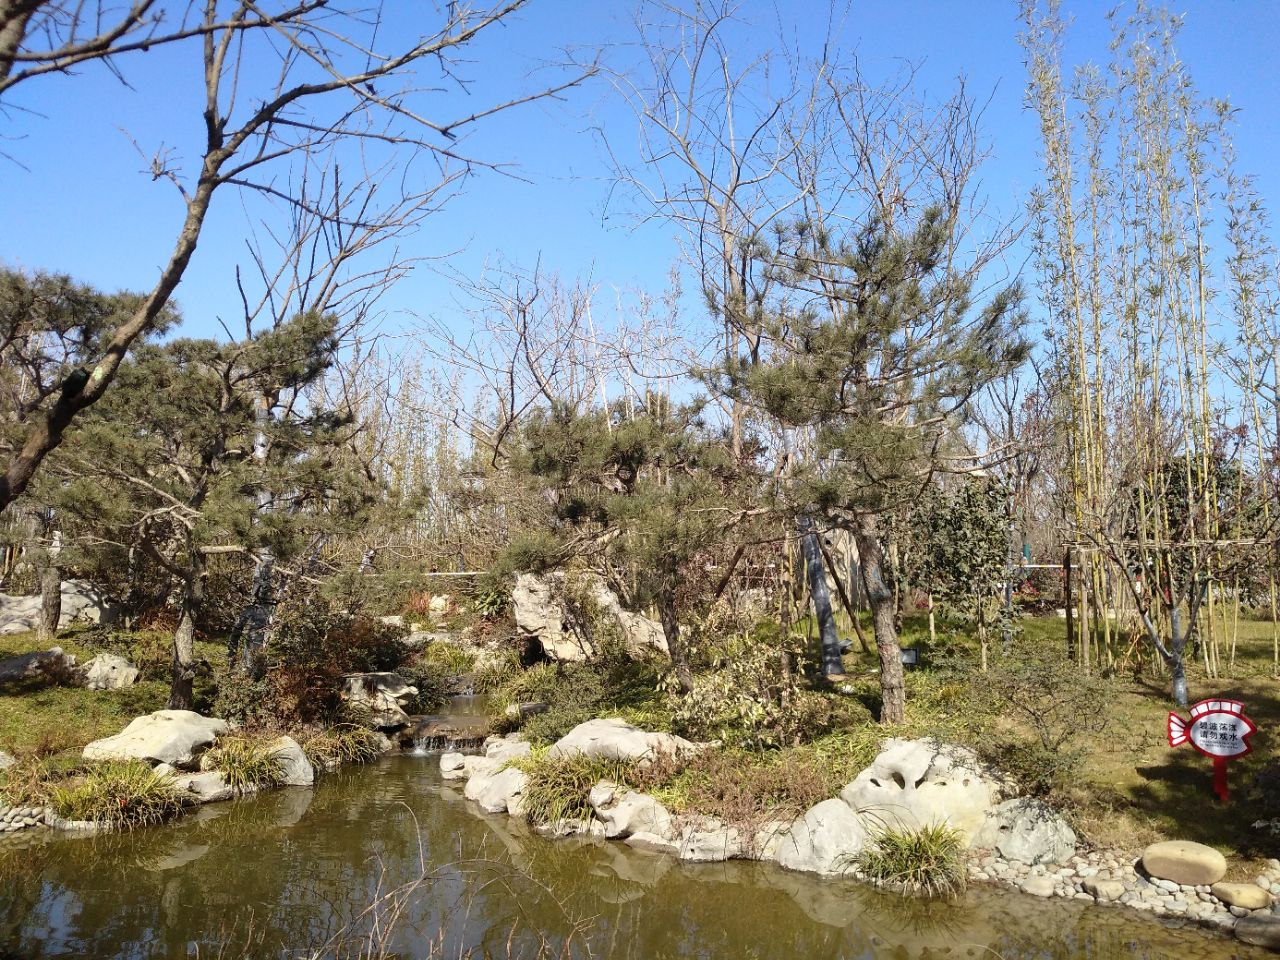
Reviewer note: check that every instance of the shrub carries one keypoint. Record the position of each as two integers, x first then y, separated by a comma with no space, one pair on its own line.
929,860
122,794
432,682
749,702
557,789
245,763
345,743
448,657
245,700
493,674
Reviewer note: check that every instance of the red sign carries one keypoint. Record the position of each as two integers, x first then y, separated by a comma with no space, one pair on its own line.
1218,729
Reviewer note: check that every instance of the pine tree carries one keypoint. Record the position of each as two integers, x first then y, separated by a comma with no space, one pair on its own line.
875,351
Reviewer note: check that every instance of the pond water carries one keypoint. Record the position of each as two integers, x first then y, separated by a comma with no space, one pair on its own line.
278,875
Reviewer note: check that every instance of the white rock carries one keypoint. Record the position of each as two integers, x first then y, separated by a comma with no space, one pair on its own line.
825,840
453,766
384,695
615,739
634,813
207,787
710,843
80,602
1025,830
295,768
511,747
538,606
107,671
175,737
1038,886
916,783
6,761
492,792
652,843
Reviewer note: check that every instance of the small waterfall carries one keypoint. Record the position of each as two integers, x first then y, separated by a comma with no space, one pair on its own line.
445,743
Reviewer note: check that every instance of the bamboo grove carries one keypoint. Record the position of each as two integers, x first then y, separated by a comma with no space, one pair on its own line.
1160,288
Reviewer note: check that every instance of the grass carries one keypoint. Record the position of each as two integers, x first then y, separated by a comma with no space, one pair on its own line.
344,743
930,860
557,789
245,763
122,795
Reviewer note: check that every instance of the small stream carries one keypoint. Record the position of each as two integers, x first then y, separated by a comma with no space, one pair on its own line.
274,875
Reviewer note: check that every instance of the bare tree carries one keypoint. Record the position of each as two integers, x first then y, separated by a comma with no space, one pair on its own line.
341,78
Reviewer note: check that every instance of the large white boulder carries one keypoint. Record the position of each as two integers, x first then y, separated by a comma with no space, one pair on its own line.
495,792
615,739
1184,862
49,666
107,671
625,813
384,695
538,604
825,840
295,768
511,747
1025,830
175,737
916,783
710,842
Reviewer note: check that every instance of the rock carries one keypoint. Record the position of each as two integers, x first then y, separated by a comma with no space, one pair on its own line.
45,666
825,840
80,602
175,737
523,711
453,766
294,765
710,843
572,827
207,787
107,671
915,783
538,605
633,813
1259,929
492,792
1104,889
6,761
1184,861
615,739
384,695
1244,895
652,843
1025,830
511,747
1037,886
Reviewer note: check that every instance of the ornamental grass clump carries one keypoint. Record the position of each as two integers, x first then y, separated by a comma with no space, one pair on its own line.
246,763
344,743
557,789
120,794
929,860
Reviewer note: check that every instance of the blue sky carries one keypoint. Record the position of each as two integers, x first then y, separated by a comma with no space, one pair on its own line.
81,202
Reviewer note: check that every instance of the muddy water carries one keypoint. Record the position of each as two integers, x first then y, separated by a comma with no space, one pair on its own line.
274,875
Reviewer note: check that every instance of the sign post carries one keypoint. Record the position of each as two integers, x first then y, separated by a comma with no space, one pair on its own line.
1218,729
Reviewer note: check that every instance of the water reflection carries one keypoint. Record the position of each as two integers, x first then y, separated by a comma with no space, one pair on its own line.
285,870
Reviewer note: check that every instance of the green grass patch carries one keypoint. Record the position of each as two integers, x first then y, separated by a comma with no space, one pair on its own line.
245,763
121,794
928,861
557,789
344,743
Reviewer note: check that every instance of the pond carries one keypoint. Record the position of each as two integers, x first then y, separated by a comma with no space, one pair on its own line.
280,874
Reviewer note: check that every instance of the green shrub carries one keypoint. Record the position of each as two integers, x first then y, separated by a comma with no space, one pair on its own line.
345,743
496,672
122,794
432,682
448,657
929,860
245,763
749,702
557,789
245,700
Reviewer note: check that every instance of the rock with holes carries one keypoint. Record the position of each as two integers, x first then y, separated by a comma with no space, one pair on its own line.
384,695
915,783
825,840
625,813
1025,830
107,671
541,611
615,739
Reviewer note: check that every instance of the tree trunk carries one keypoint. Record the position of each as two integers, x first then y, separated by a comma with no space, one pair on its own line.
50,599
880,595
675,642
181,696
832,664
